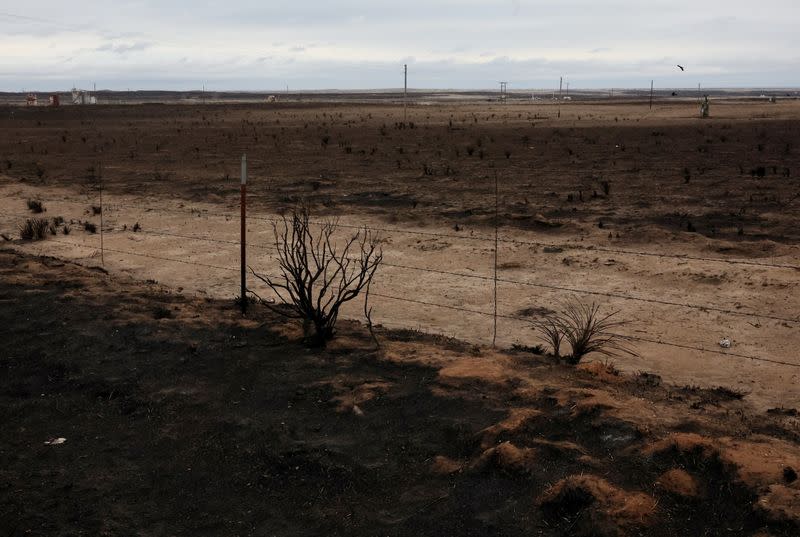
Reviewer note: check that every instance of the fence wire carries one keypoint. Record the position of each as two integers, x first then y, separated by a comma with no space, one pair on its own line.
10,216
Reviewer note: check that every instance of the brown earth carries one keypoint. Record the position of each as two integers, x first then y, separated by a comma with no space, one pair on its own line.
173,169
181,417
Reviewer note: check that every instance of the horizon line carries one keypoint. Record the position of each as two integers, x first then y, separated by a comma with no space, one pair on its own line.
285,91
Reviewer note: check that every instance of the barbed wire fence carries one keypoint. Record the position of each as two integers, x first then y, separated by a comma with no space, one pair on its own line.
10,219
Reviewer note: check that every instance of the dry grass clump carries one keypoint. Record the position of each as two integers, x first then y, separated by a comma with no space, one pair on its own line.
586,330
34,229
36,206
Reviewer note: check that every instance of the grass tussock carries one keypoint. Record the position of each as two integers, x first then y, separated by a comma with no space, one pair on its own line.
36,206
34,229
586,330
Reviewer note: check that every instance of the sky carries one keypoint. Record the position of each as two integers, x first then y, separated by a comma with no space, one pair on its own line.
264,45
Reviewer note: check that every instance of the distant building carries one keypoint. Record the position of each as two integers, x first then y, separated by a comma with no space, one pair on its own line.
82,97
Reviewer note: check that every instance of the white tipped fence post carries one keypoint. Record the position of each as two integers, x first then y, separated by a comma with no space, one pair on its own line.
496,241
243,295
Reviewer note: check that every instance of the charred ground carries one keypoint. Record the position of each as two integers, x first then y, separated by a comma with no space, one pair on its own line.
201,422
733,177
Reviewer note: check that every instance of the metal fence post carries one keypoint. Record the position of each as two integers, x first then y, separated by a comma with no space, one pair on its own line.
243,296
496,242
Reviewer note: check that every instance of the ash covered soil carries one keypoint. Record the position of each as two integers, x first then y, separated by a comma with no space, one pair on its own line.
732,177
182,417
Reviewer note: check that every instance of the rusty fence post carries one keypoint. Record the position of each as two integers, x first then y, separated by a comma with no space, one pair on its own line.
243,296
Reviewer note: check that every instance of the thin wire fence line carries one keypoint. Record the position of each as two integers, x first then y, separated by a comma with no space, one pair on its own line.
480,238
635,338
150,256
702,308
720,353
444,306
602,293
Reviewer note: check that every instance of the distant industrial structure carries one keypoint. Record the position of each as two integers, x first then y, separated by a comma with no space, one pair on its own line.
33,100
82,97
54,99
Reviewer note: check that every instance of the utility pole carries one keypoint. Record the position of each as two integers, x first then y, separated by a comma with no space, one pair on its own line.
405,91
560,89
503,91
651,95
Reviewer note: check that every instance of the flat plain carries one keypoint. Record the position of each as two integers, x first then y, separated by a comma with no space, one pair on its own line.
687,227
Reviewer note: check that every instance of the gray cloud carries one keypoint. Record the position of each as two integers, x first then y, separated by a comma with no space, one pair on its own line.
363,44
123,48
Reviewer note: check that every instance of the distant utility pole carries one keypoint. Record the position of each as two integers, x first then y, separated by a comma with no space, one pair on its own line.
560,90
405,91
503,91
651,95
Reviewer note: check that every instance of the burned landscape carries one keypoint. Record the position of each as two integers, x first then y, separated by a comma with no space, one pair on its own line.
182,416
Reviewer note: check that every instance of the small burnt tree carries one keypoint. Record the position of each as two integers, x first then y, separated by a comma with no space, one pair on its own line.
318,275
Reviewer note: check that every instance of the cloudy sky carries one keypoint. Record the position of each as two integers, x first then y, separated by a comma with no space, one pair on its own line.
357,44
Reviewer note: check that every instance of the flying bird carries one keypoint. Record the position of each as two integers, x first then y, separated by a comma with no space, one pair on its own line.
681,68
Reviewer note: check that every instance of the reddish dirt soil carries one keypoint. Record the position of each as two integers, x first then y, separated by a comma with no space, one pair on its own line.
181,417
